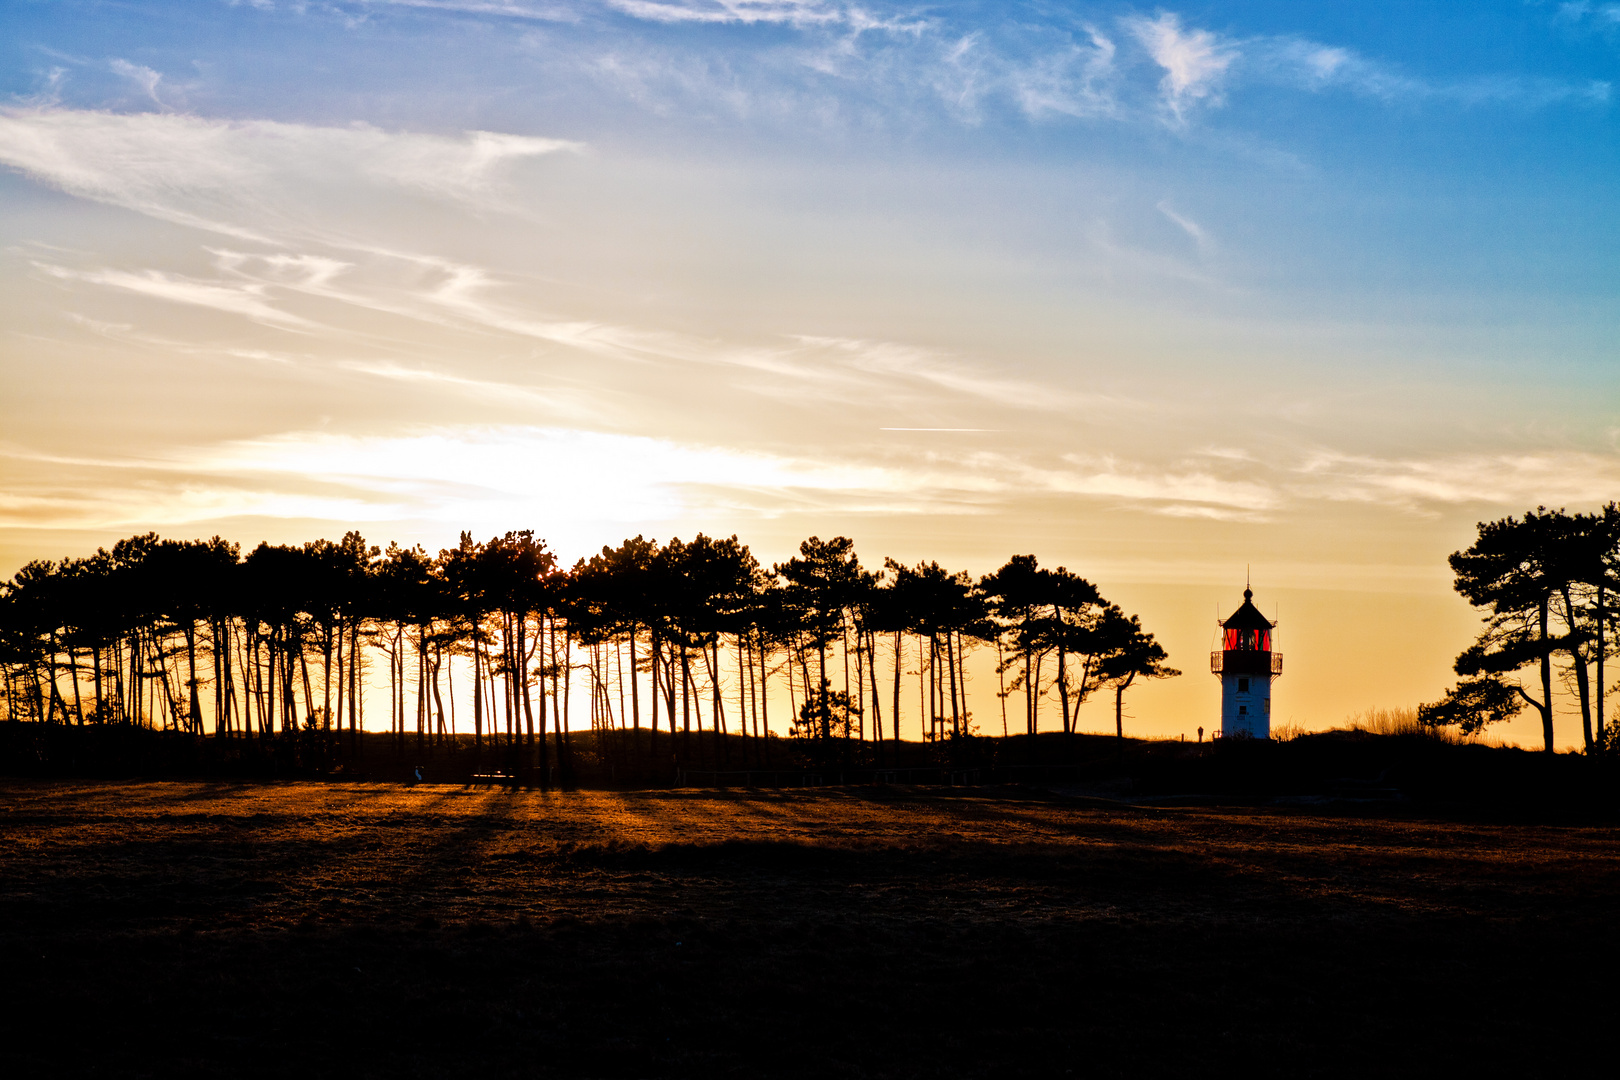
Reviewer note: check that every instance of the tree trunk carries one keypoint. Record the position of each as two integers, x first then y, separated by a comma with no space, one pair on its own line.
686,702
342,683
1602,647
932,679
1119,706
219,681
528,699
309,693
1577,658
635,689
656,686
898,664
747,698
328,632
1031,716
713,662
540,743
961,670
1545,707
268,716
1063,672
1001,684
478,694
235,718
877,694
101,711
565,748
423,709
136,679
78,702
526,653
250,684
858,701
356,718
821,687
765,690
439,732
843,647
195,701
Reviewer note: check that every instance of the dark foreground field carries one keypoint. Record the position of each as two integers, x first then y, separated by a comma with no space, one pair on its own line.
306,929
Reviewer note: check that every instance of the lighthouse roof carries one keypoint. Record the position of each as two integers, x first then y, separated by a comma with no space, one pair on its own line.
1248,616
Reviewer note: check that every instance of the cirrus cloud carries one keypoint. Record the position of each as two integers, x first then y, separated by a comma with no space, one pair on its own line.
234,177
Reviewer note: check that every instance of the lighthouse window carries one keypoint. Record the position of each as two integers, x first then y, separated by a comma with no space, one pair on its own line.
1243,710
1243,686
1247,640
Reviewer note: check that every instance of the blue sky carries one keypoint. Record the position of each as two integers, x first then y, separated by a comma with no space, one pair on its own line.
1159,292
1353,148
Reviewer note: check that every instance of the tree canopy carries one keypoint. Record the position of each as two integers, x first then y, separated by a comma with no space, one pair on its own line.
693,635
1546,583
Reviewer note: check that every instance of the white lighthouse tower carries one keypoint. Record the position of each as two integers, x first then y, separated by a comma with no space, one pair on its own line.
1246,666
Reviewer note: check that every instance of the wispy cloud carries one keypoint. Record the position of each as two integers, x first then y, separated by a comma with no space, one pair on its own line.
1516,480
558,404
233,177
1235,484
1194,61
277,287
141,76
1308,65
1185,490
558,12
1187,225
248,301
845,65
1042,64
1586,13
1076,80
792,12
873,366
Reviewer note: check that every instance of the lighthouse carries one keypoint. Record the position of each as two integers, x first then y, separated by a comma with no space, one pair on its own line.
1246,665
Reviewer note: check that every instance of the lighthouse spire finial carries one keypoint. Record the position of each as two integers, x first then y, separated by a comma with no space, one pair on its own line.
1248,593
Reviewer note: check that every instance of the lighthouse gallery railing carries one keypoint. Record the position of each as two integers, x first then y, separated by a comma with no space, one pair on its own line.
1217,664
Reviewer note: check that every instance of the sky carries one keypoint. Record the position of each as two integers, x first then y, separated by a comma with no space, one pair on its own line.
1170,296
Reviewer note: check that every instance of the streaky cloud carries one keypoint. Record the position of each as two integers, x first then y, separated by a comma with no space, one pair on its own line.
229,177
1554,477
1194,61
245,300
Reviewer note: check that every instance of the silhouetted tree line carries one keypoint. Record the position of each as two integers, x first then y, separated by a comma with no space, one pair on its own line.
497,641
1548,583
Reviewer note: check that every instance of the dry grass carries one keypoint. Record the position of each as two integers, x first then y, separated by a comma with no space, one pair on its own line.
1398,721
222,929
1402,721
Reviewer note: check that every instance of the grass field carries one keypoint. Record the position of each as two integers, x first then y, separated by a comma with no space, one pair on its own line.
308,929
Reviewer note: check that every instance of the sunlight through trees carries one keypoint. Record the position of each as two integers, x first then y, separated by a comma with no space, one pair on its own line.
496,640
